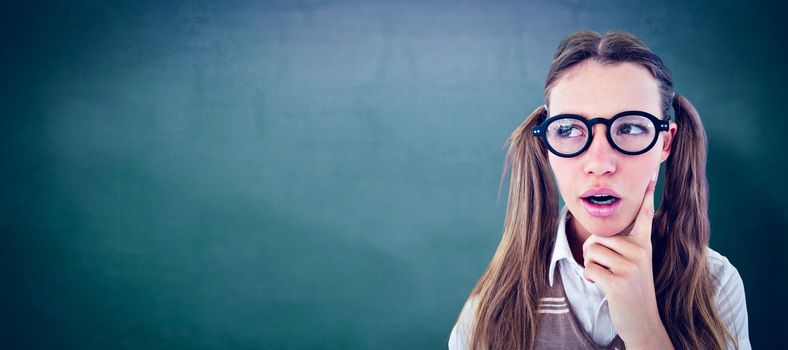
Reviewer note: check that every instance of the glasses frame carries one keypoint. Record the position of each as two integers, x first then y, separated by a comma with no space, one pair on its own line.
541,131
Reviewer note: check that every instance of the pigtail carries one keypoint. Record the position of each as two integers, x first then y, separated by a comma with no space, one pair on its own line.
685,196
509,289
533,203
682,279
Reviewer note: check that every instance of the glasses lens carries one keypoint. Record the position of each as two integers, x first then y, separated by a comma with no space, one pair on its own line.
633,133
567,135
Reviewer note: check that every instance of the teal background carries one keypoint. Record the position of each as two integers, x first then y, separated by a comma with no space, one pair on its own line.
324,174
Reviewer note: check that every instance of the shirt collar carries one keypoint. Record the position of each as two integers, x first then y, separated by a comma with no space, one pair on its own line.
561,249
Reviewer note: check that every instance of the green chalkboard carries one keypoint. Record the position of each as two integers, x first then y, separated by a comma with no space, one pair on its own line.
323,174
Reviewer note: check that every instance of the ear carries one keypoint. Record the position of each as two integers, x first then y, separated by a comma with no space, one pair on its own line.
667,141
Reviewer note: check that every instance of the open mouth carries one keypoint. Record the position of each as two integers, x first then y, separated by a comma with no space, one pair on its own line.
601,199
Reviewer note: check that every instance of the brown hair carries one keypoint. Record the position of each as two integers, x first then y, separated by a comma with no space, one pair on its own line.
505,315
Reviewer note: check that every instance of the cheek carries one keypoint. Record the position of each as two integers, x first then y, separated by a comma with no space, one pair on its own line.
646,166
565,173
639,173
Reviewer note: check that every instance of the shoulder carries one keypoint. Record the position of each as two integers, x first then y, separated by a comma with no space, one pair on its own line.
729,296
720,267
725,276
460,337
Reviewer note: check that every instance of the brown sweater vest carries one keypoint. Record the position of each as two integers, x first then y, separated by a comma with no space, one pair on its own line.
558,328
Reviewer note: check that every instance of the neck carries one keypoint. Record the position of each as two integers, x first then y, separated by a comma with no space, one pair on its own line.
576,234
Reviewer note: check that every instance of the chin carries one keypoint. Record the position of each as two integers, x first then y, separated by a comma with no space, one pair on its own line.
602,227
605,231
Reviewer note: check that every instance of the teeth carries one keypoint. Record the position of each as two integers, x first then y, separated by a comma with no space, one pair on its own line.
598,199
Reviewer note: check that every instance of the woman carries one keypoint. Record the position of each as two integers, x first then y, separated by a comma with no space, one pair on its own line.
606,271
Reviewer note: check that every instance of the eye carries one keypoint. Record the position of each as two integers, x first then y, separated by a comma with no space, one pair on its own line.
632,129
569,130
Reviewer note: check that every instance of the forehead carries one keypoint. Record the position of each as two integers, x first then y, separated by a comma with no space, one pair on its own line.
592,89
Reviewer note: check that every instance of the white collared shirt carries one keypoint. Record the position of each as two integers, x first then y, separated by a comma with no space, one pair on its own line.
589,303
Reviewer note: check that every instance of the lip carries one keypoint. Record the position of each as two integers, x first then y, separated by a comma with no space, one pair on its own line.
603,191
601,211
597,210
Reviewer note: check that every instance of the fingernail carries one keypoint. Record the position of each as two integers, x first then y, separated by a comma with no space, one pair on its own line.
654,176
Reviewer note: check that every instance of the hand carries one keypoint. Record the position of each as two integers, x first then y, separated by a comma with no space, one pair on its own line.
621,266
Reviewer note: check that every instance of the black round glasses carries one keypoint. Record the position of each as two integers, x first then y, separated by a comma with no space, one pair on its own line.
629,132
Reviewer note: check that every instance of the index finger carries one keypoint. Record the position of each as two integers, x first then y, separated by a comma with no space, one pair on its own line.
645,216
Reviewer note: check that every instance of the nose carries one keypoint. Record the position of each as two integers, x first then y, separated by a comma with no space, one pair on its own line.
600,157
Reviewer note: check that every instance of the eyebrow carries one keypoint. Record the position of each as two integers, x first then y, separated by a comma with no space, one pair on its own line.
586,116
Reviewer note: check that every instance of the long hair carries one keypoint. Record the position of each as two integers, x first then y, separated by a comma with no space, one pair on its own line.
506,295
